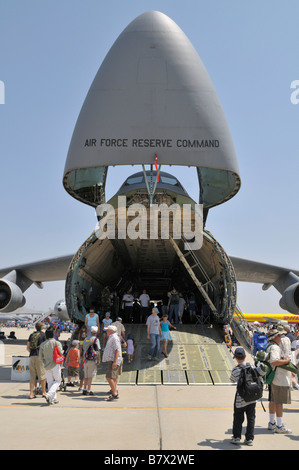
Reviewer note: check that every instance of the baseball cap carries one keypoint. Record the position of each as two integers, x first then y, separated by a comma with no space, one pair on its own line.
239,353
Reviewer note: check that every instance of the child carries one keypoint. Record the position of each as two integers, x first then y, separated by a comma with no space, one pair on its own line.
105,323
130,347
165,324
73,362
242,407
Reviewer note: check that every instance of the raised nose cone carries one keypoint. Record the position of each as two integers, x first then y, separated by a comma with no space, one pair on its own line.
152,95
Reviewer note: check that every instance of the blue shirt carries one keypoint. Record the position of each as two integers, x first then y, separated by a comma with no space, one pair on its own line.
91,321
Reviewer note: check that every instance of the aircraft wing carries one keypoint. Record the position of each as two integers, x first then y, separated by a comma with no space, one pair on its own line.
15,280
285,280
54,269
260,273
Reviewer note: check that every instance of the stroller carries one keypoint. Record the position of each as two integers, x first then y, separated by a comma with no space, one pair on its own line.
62,386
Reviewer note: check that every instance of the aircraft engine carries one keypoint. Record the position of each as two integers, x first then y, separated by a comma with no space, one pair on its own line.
290,299
11,296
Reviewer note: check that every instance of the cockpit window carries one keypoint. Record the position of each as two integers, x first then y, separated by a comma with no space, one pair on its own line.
134,180
140,179
168,180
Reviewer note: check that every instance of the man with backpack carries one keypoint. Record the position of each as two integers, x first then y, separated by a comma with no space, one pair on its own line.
52,368
36,367
243,404
91,359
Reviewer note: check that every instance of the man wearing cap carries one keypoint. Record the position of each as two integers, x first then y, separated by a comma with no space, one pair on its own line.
113,356
120,328
280,388
91,359
154,333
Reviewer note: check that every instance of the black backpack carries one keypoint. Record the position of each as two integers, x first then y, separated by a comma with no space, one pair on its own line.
250,386
34,338
91,353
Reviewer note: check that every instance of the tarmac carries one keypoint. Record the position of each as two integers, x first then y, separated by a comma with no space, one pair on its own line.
159,419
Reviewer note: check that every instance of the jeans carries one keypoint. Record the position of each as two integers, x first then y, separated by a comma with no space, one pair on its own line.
239,415
53,377
174,308
155,345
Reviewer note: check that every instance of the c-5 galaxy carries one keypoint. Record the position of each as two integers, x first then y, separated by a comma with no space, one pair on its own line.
151,104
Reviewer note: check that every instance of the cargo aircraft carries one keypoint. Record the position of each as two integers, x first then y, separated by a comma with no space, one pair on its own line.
151,105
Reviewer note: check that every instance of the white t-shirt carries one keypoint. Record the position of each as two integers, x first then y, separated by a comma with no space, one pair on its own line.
144,299
128,300
282,378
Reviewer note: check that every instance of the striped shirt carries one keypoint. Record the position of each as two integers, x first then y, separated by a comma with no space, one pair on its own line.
235,374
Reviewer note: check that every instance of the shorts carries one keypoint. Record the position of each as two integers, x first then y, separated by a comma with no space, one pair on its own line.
73,371
113,373
279,395
36,368
90,369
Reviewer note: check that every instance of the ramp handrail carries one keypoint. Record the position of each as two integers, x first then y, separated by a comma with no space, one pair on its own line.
241,329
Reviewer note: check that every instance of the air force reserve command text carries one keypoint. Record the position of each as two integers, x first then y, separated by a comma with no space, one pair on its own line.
150,459
151,143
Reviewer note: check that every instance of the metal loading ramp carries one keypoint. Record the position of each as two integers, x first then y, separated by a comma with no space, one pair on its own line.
197,355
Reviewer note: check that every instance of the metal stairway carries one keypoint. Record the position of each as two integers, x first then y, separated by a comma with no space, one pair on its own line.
41,317
225,313
240,328
189,268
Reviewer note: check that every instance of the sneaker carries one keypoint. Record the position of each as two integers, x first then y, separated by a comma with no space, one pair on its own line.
282,430
149,357
156,358
249,442
271,426
235,440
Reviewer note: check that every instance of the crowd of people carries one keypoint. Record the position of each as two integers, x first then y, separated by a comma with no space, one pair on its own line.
280,344
93,342
135,308
77,360
103,340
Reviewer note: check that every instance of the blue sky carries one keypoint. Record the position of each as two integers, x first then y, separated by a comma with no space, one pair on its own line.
49,55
